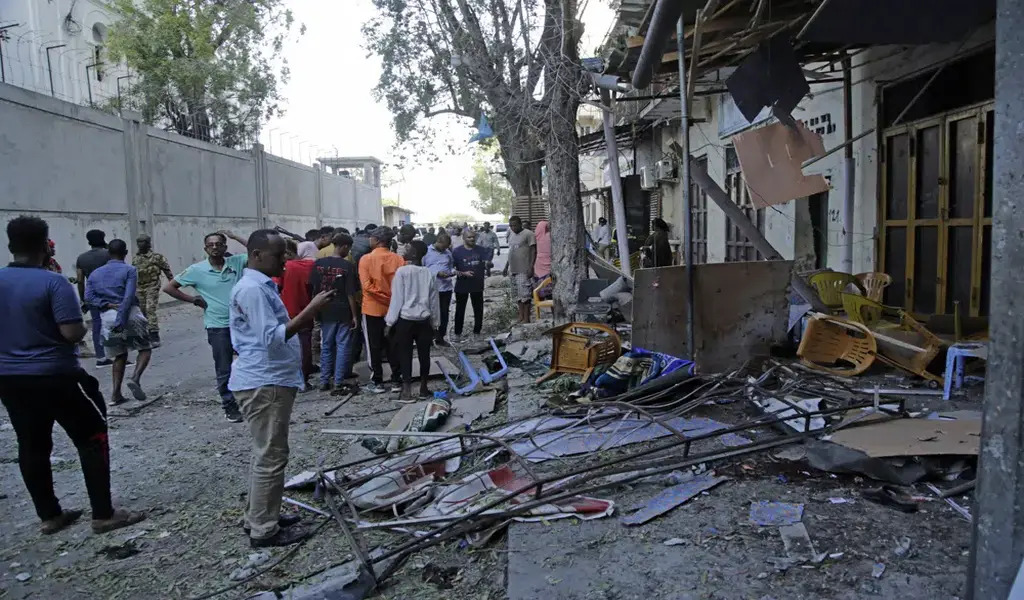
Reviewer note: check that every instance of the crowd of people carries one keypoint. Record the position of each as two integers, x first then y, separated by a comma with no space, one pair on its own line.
274,316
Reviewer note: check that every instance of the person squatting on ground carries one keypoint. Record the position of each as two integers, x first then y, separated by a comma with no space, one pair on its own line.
213,279
376,271
150,265
42,383
522,254
441,263
412,316
112,288
471,263
265,379
338,317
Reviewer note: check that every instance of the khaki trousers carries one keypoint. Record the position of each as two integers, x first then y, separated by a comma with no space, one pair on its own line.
267,410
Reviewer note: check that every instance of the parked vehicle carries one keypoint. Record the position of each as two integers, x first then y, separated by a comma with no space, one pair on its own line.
502,230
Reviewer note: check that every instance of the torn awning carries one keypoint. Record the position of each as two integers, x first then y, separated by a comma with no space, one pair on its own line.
771,159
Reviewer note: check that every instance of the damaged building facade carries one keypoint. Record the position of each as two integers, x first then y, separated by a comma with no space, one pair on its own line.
921,124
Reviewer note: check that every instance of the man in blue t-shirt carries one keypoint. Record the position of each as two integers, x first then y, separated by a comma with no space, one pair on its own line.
470,266
41,381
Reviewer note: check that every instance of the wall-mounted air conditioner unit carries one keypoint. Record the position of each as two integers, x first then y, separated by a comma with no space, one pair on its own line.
648,178
666,170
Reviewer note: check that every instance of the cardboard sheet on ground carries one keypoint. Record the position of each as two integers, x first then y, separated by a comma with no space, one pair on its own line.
673,497
479,489
913,437
465,410
583,439
771,157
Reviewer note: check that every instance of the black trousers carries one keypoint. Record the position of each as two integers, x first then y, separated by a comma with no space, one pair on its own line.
445,300
74,401
460,310
380,349
405,334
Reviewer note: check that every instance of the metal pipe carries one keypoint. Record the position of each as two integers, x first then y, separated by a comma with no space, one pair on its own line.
664,17
118,84
88,82
3,69
49,66
849,166
684,174
616,184
814,16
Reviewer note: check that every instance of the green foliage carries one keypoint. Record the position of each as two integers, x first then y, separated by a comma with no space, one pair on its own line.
389,202
494,195
208,69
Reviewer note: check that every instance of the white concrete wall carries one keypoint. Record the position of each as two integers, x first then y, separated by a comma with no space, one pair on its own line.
83,169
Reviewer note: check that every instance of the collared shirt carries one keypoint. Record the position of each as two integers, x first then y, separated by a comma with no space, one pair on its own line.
214,286
114,283
258,321
376,270
35,303
150,265
91,260
602,235
440,262
414,296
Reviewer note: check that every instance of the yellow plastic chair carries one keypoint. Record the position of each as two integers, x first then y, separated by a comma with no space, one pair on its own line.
538,303
874,284
830,286
837,346
578,348
861,309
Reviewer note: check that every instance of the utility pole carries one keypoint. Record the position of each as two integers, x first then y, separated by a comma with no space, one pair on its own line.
998,542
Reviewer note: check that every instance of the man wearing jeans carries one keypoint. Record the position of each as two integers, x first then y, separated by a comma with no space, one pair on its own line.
337,318
87,262
213,279
265,380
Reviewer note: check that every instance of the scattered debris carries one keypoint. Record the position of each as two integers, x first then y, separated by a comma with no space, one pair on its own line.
797,542
902,546
877,569
23,577
887,495
767,514
673,497
440,576
674,542
119,551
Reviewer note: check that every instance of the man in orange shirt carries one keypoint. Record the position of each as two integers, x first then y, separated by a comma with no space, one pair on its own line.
376,270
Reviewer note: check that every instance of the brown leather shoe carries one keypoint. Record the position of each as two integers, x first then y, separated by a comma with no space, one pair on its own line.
66,518
283,537
120,518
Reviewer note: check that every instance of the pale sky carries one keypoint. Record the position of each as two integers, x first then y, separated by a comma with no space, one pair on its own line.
329,104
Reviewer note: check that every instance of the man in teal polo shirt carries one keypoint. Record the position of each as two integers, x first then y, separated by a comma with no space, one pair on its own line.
213,279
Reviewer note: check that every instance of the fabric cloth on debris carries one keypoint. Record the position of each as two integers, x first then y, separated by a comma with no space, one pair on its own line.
635,368
267,410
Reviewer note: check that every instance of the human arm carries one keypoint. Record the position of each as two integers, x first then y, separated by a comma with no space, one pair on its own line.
165,267
173,289
370,286
397,299
80,282
435,306
66,311
228,234
128,299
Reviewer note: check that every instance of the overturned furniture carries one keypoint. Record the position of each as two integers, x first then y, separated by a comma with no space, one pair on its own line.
579,347
837,346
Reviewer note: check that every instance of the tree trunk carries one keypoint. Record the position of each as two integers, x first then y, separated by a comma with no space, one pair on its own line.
522,156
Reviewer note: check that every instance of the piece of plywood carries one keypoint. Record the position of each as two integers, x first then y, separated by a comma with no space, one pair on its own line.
913,437
771,159
741,309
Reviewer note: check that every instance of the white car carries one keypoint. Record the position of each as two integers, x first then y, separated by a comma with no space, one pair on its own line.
501,229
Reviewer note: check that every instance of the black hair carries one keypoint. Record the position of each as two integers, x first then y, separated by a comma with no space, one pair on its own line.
660,223
117,248
345,231
419,249
602,220
96,238
370,227
326,230
515,219
260,239
26,235
222,237
342,239
312,234
408,228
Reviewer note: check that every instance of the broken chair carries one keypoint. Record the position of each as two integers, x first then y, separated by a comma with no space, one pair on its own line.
830,286
874,284
910,348
580,347
837,346
538,303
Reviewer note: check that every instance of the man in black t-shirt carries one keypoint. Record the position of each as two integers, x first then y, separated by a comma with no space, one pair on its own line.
87,262
338,317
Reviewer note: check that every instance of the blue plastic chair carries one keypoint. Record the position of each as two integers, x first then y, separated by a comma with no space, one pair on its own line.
467,370
955,358
488,377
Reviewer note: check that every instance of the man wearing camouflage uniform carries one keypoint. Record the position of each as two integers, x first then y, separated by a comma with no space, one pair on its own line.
150,265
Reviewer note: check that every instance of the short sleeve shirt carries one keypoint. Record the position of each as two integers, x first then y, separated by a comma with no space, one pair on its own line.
35,302
91,260
150,265
215,287
473,260
519,251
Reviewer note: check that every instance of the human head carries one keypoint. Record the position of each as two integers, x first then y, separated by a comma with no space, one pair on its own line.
266,252
406,233
660,224
26,239
515,224
215,244
96,238
369,227
602,221
291,249
306,250
118,249
469,238
443,241
417,251
342,230
145,243
380,237
312,235
326,233
342,244
487,225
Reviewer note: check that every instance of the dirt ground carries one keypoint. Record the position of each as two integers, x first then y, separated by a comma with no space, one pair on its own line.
178,459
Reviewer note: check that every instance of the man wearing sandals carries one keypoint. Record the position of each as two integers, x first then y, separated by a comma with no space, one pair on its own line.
41,382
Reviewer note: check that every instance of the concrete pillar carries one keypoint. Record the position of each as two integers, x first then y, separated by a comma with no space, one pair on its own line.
998,543
318,173
140,199
259,159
